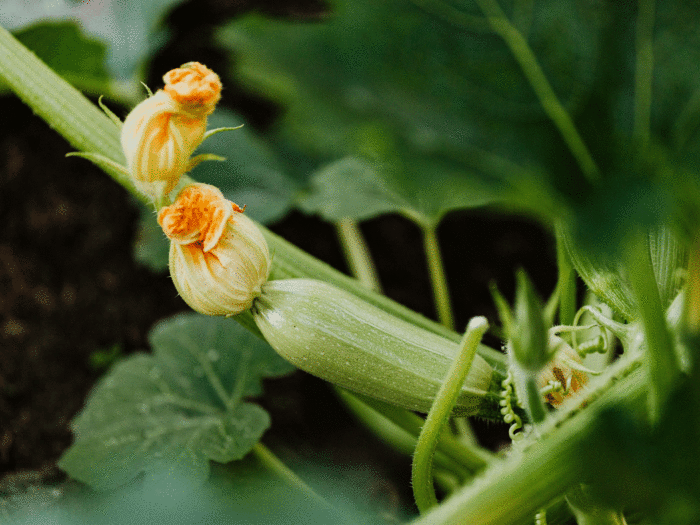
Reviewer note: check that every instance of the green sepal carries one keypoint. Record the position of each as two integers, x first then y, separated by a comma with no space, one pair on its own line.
112,116
101,161
528,335
219,130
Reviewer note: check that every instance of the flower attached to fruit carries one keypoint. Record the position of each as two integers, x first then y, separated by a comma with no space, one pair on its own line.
161,133
562,377
218,256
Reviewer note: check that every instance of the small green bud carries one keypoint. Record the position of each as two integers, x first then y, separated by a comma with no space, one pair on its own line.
528,333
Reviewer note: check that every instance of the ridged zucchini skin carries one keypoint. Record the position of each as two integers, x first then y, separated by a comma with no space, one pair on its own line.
336,336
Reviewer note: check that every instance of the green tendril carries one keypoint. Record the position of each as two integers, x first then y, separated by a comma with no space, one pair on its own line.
509,415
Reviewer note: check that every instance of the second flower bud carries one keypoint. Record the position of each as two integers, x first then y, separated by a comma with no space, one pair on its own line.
219,259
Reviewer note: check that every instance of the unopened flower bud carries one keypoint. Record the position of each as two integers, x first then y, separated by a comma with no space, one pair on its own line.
195,87
561,372
161,133
218,256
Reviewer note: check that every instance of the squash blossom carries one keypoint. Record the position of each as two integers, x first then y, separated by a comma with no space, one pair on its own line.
218,256
562,369
161,133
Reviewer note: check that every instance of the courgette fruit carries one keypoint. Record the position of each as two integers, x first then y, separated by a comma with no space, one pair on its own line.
336,336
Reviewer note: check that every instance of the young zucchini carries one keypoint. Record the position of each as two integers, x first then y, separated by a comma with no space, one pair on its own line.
332,334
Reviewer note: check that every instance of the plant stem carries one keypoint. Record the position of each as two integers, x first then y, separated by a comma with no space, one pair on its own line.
644,69
273,463
659,351
566,283
62,106
394,434
437,276
538,81
357,254
421,476
513,490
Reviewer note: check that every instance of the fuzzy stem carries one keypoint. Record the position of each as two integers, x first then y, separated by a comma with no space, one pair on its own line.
437,276
422,478
513,490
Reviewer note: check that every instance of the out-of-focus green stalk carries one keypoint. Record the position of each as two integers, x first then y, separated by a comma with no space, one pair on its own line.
357,254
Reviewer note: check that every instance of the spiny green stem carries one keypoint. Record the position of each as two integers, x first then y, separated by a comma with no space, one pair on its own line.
357,254
644,40
437,276
541,86
273,463
512,490
421,476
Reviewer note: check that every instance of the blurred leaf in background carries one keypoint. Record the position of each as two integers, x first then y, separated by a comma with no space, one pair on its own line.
77,57
131,30
434,99
554,108
171,412
246,491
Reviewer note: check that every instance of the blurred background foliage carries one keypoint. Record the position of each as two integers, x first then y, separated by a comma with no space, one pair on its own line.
561,110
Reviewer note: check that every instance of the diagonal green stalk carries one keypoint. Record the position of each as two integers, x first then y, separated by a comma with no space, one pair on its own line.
421,475
357,254
441,292
644,70
538,81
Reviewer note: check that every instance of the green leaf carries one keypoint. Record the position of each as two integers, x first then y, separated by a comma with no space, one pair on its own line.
350,187
607,277
439,104
171,412
69,52
131,30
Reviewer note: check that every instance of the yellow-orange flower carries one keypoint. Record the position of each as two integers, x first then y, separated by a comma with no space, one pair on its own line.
218,256
194,86
562,369
160,135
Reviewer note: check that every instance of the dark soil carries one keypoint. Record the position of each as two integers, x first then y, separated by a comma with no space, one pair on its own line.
69,287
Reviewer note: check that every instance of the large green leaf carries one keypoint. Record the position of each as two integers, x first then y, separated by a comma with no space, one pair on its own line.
434,99
173,411
130,29
585,111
